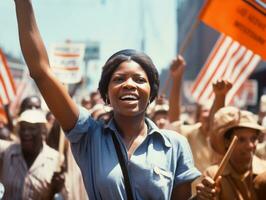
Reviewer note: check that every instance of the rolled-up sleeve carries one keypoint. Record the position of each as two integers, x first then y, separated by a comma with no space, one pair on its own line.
84,124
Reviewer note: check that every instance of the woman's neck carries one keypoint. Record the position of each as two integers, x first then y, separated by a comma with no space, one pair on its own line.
133,131
130,126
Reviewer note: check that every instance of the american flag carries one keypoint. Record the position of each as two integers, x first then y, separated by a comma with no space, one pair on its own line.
228,60
7,84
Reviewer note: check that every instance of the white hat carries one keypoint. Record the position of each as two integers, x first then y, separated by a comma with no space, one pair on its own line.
32,116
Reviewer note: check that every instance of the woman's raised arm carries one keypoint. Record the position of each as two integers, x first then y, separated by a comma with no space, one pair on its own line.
35,55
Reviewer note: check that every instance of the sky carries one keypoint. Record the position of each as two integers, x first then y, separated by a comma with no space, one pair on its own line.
115,24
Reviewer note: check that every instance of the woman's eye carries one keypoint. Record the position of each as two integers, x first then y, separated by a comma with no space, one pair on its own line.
118,79
140,80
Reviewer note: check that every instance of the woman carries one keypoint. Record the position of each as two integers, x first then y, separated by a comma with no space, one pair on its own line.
159,163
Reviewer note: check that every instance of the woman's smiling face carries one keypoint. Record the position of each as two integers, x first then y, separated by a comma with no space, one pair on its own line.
129,89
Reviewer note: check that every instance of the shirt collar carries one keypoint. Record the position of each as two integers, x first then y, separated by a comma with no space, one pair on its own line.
15,149
256,169
152,130
229,170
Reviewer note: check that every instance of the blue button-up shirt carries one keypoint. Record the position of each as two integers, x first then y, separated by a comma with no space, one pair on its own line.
160,163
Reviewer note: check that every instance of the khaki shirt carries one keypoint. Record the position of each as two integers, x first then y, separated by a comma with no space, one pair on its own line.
236,186
260,186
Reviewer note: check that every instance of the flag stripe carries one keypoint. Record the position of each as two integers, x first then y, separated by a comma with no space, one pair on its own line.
234,61
203,71
228,60
236,57
233,65
231,53
219,70
3,95
4,86
212,65
215,64
8,72
8,89
245,73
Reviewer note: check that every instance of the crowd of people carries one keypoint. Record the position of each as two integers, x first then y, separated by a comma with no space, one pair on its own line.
125,140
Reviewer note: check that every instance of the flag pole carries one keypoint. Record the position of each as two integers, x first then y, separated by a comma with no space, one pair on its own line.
61,145
226,158
183,48
181,51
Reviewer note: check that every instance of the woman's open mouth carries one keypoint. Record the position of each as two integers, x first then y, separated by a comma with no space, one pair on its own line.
129,98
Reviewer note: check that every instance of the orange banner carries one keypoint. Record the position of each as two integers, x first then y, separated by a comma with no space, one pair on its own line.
243,20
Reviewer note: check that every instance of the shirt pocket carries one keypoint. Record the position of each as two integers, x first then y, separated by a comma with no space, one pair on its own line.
162,177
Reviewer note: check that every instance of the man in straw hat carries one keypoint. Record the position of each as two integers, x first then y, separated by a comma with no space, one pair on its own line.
237,179
28,168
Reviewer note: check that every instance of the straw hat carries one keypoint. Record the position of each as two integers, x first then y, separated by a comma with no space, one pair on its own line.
32,116
227,118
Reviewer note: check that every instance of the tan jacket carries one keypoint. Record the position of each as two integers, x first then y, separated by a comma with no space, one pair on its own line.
260,186
236,186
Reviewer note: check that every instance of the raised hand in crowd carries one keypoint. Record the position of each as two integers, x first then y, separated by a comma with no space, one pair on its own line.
176,70
221,87
177,67
220,90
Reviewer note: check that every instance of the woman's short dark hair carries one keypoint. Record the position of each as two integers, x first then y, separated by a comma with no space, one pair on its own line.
126,55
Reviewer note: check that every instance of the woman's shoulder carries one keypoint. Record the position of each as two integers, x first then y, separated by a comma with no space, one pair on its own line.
84,126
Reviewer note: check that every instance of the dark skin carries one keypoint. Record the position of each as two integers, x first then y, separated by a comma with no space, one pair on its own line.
32,144
31,140
130,121
31,102
177,70
57,182
182,191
